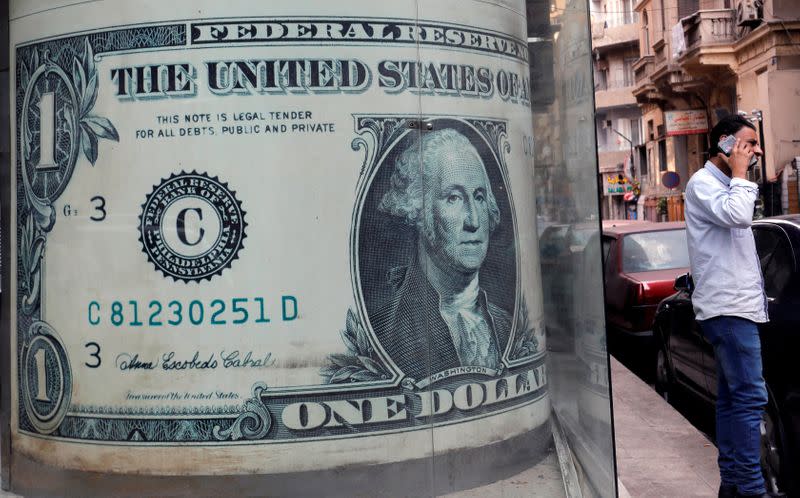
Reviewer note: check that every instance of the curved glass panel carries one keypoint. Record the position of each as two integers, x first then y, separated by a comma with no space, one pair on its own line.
304,248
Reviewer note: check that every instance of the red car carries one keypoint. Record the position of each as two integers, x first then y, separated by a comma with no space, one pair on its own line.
642,260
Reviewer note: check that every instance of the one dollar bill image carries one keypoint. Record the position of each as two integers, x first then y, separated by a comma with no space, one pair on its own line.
251,234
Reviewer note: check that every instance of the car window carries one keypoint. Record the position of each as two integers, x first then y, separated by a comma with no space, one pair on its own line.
766,241
650,251
552,243
579,238
780,267
606,249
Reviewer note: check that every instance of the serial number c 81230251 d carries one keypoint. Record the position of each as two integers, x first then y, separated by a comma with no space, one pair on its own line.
196,312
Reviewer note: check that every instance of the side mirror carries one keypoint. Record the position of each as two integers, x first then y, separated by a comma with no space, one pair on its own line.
684,283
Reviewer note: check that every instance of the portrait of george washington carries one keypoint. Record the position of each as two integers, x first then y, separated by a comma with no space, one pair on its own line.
437,312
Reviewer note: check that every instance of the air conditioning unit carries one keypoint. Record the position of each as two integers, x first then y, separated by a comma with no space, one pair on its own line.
747,13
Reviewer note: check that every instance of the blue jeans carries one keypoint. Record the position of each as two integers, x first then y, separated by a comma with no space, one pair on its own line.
741,397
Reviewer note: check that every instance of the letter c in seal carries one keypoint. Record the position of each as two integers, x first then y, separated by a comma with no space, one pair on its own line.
202,201
181,225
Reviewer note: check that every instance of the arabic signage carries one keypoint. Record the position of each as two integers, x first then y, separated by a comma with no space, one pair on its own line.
617,184
689,122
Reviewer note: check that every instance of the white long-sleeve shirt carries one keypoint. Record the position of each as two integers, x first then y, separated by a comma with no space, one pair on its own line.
722,250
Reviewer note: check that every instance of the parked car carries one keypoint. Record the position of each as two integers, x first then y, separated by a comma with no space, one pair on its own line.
641,261
561,249
562,241
685,358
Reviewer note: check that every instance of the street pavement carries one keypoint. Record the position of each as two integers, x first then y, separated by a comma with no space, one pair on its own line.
659,453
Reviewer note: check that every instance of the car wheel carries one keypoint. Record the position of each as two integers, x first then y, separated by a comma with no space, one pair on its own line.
772,448
663,382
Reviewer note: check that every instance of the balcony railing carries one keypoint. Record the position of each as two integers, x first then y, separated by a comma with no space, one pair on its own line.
601,85
643,68
615,19
607,34
709,27
661,53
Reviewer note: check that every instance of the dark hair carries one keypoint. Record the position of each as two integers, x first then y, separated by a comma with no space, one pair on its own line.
729,125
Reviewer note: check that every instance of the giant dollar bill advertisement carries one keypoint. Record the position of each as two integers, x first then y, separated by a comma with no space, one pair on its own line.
278,235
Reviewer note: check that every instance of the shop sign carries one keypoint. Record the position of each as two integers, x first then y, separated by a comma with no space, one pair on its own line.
689,122
617,184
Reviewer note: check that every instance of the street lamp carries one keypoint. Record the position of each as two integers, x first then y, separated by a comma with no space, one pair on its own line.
630,142
759,116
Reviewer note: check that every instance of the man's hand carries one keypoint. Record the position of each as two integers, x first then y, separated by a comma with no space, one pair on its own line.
739,159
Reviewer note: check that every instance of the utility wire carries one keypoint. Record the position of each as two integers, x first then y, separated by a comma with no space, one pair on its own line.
652,9
632,11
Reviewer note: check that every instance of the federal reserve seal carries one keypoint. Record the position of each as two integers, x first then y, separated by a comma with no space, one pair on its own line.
192,226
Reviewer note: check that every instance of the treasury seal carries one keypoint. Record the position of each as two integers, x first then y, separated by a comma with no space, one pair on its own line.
192,226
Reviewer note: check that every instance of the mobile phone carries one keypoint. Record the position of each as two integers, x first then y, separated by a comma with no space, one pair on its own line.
726,145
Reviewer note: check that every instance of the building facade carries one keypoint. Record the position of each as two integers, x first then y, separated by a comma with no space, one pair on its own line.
701,60
615,50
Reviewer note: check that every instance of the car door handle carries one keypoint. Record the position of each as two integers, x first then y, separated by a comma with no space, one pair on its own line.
770,299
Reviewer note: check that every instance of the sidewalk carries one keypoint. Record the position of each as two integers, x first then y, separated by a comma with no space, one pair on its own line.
659,453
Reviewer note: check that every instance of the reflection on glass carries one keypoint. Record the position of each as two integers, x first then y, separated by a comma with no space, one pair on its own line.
569,223
652,251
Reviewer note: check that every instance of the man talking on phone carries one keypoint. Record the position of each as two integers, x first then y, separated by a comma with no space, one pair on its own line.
729,299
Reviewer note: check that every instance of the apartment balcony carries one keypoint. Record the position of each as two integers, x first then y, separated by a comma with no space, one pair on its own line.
614,94
665,68
708,36
660,76
612,161
660,49
607,37
643,68
644,88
